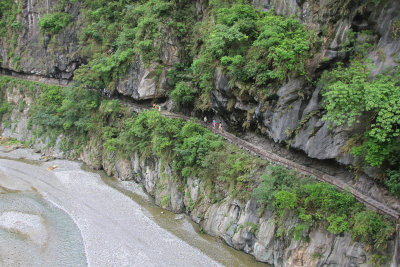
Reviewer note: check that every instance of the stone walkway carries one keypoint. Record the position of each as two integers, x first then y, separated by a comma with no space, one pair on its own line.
274,158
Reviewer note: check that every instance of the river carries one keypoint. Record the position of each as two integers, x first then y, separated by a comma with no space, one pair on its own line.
60,213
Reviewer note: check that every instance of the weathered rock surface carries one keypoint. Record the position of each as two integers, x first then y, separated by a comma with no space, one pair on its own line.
283,118
292,117
38,53
241,225
142,83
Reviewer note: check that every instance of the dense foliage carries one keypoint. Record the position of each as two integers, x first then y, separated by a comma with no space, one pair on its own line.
351,96
59,110
191,149
254,48
119,34
8,15
55,22
321,203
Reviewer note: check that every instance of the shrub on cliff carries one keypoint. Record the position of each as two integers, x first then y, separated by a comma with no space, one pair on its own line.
253,47
349,94
55,22
8,16
321,203
183,94
119,34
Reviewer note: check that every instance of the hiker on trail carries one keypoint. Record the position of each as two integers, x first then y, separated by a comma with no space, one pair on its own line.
106,93
205,119
154,106
159,108
220,127
214,124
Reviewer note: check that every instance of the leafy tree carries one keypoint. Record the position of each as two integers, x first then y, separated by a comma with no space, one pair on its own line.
254,48
349,93
393,182
281,48
369,227
183,94
278,178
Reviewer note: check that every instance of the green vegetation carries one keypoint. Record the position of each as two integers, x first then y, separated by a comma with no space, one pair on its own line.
55,22
351,97
183,94
7,141
164,201
8,16
191,149
120,33
396,29
10,28
322,204
73,110
254,48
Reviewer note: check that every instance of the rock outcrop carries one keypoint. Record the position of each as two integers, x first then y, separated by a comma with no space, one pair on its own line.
34,52
241,225
245,226
292,116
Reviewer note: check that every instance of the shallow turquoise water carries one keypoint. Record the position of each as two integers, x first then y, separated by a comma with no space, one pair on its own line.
61,240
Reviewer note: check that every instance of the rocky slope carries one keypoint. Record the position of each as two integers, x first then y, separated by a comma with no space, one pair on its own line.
245,226
293,116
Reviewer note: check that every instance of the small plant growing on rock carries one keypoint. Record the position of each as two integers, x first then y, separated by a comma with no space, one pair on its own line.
54,23
396,30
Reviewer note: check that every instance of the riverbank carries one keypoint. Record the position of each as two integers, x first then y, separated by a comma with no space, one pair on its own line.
114,229
179,226
180,164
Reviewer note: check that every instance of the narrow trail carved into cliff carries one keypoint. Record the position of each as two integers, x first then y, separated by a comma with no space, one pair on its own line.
35,77
319,175
274,158
266,155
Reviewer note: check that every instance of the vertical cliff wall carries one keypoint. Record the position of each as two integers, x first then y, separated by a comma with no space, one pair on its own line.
193,57
242,222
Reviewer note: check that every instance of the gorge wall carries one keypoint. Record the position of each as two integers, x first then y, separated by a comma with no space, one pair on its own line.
291,115
245,224
90,51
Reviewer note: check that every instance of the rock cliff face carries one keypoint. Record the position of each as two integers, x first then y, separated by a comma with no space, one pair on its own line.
34,52
242,225
298,105
293,116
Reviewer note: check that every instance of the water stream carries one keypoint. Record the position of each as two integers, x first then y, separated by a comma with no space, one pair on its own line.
73,216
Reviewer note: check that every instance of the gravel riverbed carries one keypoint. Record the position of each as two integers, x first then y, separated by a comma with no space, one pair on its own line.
60,215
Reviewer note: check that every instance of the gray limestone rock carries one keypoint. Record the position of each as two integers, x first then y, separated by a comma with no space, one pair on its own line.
141,83
52,56
123,169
